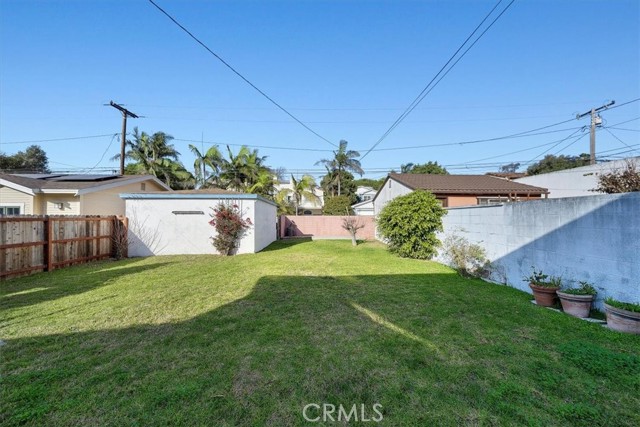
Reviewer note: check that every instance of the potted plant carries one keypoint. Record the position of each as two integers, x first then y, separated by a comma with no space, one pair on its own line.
577,301
622,316
544,287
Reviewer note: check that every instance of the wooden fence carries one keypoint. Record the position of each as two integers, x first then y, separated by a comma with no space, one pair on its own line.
29,244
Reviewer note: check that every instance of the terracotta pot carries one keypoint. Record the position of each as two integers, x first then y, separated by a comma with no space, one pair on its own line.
576,305
622,320
544,296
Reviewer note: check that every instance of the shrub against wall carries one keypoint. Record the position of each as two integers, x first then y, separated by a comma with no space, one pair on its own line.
468,259
230,227
409,224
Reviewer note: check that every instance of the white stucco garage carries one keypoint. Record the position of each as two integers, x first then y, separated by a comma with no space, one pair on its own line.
177,223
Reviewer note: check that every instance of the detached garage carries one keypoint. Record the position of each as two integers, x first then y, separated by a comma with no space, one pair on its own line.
177,223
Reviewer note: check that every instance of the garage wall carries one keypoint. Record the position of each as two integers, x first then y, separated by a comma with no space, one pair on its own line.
176,226
265,224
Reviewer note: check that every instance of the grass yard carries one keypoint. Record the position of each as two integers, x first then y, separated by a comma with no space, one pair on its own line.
250,340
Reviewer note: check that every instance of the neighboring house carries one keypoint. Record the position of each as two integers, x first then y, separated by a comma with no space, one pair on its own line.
577,181
307,207
57,194
177,222
456,190
365,193
363,208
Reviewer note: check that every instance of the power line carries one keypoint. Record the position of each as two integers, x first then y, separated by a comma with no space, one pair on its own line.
427,88
34,141
619,140
103,154
236,72
559,142
623,104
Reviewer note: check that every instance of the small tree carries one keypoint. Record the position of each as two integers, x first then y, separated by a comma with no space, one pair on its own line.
468,259
230,227
352,224
409,224
337,205
623,180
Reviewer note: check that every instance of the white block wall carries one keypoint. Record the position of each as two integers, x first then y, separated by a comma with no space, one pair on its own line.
595,238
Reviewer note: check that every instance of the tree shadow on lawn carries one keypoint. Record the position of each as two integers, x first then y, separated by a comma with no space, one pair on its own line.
48,286
430,348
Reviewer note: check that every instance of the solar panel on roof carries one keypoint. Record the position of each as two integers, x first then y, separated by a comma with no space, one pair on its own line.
85,178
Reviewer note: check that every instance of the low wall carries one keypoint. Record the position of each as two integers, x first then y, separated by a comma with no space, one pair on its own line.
594,238
326,227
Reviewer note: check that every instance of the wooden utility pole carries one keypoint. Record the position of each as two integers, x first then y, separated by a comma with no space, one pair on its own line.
595,120
125,113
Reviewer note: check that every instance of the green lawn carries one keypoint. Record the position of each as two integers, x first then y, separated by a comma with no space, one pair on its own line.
250,340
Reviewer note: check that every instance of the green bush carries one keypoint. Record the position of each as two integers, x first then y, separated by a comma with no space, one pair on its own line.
337,205
468,259
409,224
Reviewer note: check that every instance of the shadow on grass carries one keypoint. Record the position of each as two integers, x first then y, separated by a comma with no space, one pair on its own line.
430,348
286,243
47,286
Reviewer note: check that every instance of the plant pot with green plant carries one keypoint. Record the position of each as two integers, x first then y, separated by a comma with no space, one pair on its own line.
623,316
544,287
577,301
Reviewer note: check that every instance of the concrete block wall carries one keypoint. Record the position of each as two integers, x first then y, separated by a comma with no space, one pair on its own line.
594,238
327,227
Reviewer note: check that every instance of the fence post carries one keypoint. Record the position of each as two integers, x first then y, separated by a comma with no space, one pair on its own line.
125,231
48,250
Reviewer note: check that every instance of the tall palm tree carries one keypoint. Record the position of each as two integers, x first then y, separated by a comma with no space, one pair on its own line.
211,159
153,155
343,160
300,189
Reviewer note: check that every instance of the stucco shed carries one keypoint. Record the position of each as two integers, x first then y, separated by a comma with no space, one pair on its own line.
177,223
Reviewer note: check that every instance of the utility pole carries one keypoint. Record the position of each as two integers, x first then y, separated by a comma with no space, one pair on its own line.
595,121
125,113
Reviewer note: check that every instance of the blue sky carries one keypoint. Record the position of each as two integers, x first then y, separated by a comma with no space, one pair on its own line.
346,68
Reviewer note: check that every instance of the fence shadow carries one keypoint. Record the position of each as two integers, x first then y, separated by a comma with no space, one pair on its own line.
48,286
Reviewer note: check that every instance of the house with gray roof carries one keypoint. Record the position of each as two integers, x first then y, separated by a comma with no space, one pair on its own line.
60,194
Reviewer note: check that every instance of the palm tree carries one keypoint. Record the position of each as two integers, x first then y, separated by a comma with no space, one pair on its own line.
212,159
265,185
242,171
153,155
343,160
406,168
302,189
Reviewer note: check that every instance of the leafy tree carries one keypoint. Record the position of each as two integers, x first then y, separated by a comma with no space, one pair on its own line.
552,163
367,182
409,224
623,180
430,167
337,205
206,166
330,182
510,168
302,188
343,161
33,159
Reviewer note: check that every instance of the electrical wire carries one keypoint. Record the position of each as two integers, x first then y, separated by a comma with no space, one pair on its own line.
236,72
103,154
428,88
34,141
619,140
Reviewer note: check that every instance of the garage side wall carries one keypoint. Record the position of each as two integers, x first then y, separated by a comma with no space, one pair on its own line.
179,226
265,224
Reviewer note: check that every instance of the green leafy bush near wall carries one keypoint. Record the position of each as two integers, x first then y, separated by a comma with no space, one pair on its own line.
409,224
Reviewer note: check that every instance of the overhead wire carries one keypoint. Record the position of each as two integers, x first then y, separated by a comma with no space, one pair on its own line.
236,72
428,88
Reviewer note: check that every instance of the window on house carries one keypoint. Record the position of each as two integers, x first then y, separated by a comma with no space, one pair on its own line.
143,186
9,210
365,198
491,200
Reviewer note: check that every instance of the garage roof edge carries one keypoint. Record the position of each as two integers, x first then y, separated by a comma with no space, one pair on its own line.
210,196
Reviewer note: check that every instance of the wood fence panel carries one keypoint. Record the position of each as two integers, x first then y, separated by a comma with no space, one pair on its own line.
35,243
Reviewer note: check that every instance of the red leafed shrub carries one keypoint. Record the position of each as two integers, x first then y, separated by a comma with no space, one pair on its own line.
230,227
